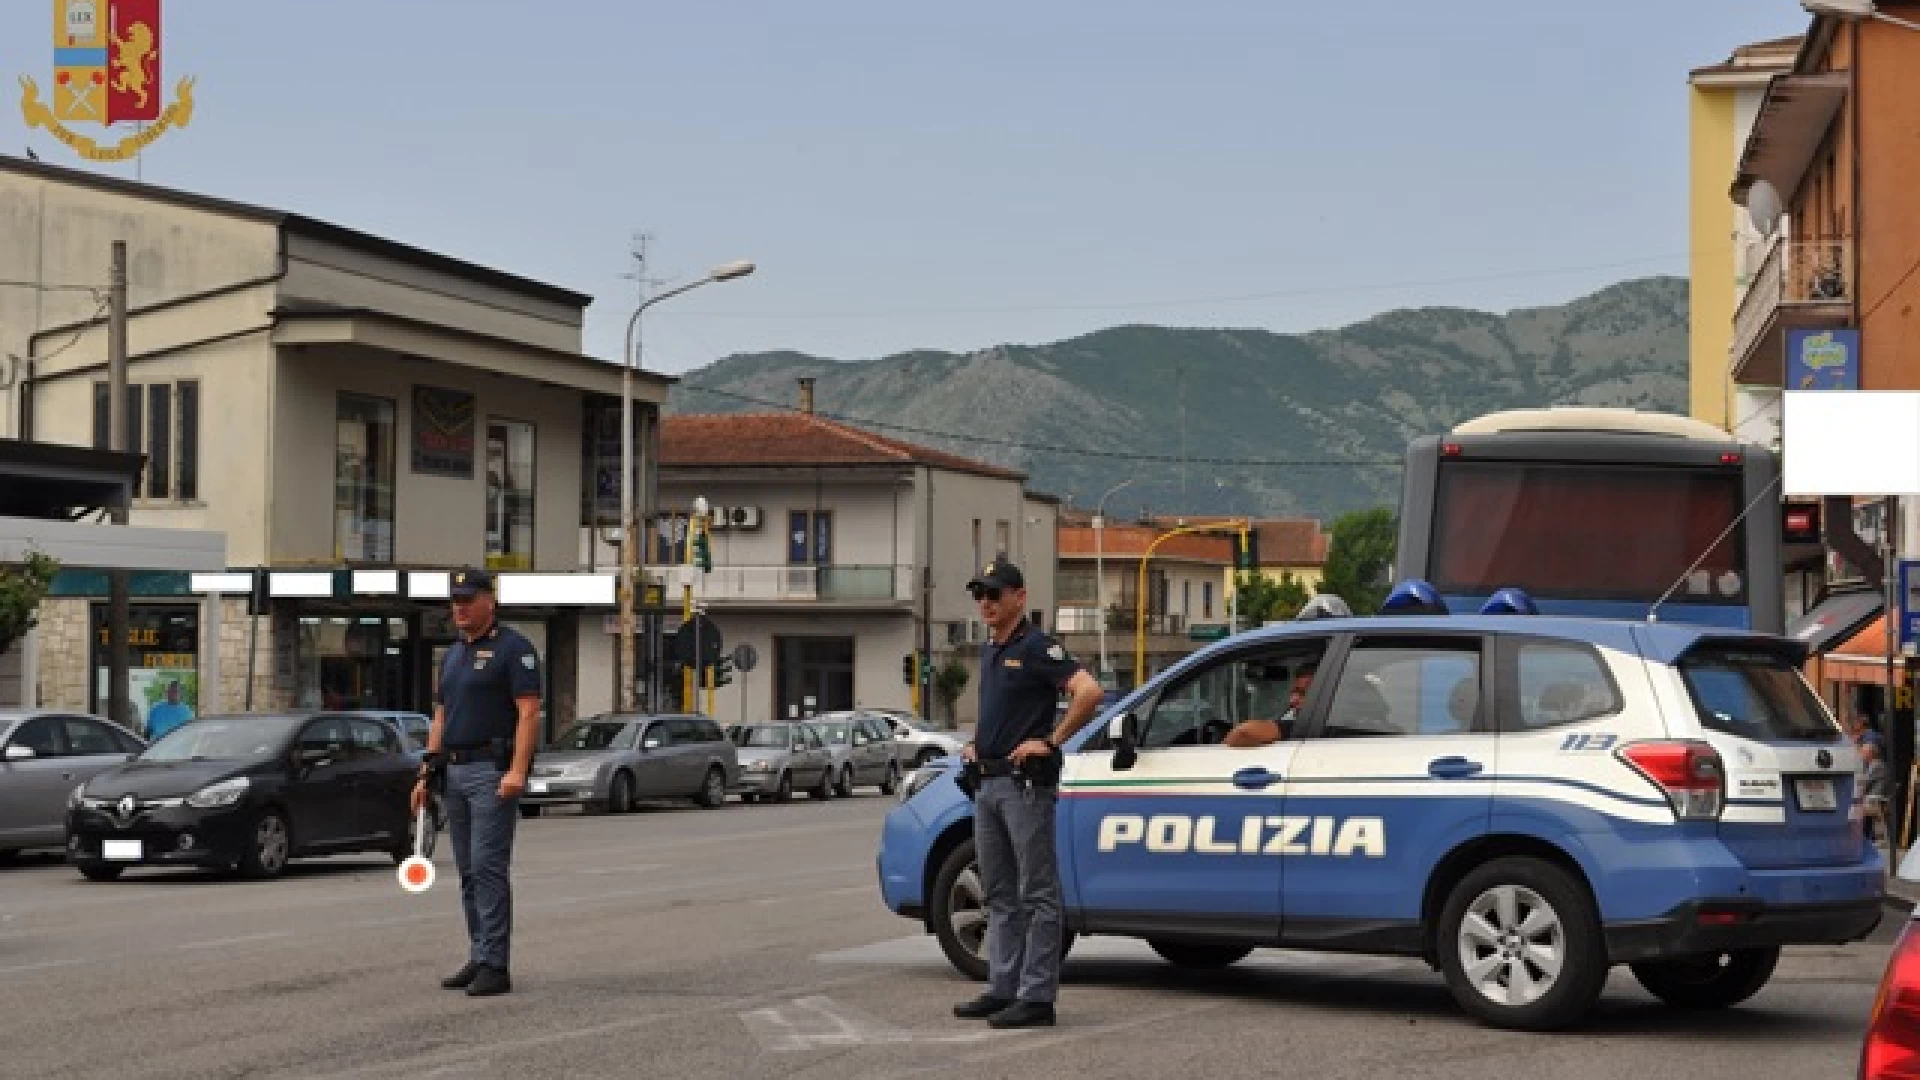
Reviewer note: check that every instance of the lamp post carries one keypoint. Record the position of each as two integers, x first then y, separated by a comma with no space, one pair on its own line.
629,541
1100,574
1140,605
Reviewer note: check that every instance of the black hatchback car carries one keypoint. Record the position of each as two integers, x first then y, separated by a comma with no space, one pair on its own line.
249,792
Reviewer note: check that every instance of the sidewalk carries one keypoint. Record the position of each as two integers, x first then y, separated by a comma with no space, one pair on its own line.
1900,892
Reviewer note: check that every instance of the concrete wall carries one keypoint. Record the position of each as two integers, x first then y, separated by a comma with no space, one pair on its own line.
1710,289
1887,302
438,520
879,641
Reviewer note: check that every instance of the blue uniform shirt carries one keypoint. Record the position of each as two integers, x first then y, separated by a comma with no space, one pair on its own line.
479,681
1020,684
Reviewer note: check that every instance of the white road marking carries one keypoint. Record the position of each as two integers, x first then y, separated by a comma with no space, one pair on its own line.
41,966
819,1021
241,940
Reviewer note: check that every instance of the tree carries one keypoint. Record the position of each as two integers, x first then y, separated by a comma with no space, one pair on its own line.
21,590
1260,599
948,680
1359,556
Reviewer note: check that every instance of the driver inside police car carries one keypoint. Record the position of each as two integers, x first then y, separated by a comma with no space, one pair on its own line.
1261,732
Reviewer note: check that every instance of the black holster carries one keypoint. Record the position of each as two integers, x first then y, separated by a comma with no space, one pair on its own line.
1042,770
967,779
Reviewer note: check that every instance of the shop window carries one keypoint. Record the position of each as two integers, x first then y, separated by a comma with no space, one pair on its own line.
509,495
163,666
363,479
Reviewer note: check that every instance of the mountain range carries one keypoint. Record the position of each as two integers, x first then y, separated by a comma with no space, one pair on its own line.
1239,421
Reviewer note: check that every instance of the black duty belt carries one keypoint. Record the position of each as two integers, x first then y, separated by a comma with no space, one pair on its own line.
485,751
996,767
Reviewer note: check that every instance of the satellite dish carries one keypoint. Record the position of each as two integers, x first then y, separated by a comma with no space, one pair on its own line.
1764,207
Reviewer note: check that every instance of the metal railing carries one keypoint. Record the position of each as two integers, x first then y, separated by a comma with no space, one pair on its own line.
1086,620
802,583
1811,271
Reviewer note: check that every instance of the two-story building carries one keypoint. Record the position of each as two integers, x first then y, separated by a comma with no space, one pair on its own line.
1185,604
329,401
841,556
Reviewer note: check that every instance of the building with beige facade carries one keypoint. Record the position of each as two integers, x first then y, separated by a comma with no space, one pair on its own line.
327,400
841,557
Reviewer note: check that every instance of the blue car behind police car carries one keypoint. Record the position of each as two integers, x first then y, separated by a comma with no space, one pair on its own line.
1523,802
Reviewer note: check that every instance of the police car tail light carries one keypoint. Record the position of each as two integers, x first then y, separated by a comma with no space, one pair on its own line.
1689,773
1892,1047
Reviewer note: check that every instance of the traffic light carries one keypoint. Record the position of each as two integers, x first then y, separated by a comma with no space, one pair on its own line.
702,552
906,669
723,670
1800,523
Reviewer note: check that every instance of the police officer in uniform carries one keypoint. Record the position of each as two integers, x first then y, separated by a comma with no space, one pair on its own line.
486,724
1013,764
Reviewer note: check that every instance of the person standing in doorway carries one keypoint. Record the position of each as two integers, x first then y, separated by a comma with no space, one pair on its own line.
486,724
1016,755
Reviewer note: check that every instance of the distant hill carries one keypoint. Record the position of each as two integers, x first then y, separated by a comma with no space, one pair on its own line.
1239,421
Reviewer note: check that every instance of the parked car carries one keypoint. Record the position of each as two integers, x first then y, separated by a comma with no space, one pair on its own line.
865,753
251,791
43,753
614,760
414,727
920,743
775,758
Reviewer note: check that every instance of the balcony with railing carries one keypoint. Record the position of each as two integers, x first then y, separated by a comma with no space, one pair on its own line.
1120,620
1804,282
879,586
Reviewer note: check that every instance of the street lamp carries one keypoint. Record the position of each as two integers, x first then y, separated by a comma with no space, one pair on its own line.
629,542
1854,9
1140,605
1100,573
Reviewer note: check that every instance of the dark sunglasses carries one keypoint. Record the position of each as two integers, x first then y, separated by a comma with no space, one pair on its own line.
992,594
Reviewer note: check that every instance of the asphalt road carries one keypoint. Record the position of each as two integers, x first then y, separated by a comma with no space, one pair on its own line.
749,941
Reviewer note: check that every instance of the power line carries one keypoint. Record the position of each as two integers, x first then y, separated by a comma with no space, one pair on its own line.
40,287
1054,448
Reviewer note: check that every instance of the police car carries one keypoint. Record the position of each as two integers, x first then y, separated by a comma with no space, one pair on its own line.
1523,802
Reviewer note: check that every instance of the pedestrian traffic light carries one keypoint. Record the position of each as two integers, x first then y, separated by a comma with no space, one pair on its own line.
702,553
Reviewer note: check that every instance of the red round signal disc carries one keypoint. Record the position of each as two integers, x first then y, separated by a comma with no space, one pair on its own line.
416,875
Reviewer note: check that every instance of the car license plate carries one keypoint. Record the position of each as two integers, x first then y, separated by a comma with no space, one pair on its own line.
538,787
1815,794
120,850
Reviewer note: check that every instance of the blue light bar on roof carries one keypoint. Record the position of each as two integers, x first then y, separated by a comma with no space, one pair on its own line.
1509,602
1413,597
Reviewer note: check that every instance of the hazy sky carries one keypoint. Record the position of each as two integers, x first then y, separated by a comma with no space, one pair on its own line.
958,175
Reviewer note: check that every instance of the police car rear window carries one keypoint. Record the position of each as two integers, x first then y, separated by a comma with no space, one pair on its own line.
1755,695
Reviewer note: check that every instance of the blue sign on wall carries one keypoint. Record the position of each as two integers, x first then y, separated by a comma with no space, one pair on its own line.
1823,359
1909,602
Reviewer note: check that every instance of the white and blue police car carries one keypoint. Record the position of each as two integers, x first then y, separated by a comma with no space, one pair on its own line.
1523,802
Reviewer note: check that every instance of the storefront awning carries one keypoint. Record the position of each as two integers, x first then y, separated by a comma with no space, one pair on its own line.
1836,619
84,545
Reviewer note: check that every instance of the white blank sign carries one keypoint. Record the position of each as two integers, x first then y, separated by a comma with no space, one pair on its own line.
1851,442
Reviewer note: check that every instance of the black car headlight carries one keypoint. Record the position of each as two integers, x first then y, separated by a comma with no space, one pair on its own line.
224,793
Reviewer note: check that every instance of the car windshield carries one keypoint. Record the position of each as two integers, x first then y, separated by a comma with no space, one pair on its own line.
213,738
835,733
596,735
764,736
1755,695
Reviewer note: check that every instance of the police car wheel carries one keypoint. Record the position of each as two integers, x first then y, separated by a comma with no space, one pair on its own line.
959,914
1519,941
1201,954
1713,981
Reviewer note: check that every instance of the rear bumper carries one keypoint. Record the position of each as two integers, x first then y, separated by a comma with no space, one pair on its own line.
1701,926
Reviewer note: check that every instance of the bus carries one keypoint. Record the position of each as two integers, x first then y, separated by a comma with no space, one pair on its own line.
1597,512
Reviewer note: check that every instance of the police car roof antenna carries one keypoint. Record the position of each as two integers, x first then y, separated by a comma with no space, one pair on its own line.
1653,613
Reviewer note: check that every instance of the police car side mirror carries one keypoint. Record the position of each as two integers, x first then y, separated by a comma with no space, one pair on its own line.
16,752
1124,732
650,744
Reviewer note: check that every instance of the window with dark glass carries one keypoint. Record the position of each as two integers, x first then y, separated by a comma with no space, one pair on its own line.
187,401
363,479
509,495
159,440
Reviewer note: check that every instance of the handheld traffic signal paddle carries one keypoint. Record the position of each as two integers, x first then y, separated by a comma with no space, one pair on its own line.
416,873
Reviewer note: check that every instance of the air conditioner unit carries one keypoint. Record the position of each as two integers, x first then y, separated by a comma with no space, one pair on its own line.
744,517
721,517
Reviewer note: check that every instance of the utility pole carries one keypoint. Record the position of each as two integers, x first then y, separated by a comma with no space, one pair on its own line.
118,438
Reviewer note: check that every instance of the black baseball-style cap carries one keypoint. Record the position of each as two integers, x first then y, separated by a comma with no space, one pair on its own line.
469,581
998,574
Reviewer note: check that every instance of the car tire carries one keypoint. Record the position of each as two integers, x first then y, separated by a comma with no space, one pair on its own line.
620,794
529,811
713,791
824,790
270,848
1710,981
1201,955
1529,918
892,783
784,793
844,788
958,910
98,872
749,797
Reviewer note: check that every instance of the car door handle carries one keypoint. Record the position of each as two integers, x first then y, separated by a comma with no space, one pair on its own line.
1452,768
1255,778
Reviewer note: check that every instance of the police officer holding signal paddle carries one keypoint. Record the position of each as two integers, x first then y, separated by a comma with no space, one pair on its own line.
1013,771
485,728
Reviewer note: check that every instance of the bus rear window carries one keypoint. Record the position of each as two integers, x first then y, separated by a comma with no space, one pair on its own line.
1586,532
1755,696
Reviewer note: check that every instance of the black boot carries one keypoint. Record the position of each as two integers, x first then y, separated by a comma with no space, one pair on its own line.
490,981
461,978
1023,1014
981,1007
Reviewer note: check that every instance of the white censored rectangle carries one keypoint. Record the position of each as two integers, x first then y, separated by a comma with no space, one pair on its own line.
376,582
301,583
221,583
573,590
429,584
1851,442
